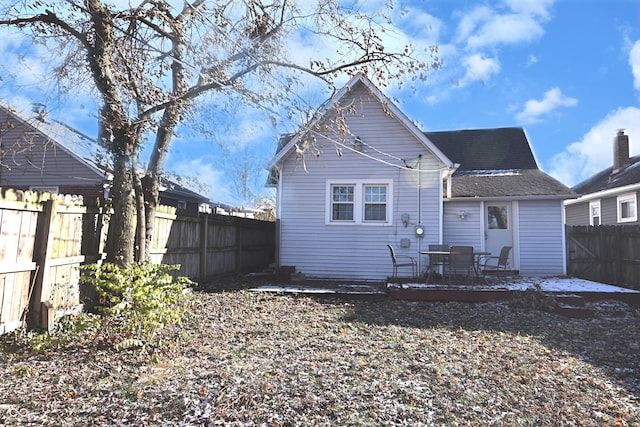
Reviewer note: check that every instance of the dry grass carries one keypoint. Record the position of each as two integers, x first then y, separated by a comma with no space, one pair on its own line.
250,359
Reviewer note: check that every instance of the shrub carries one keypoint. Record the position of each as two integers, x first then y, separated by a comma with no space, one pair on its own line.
139,298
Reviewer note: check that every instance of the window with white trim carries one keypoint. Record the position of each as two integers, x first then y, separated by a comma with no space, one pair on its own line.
359,202
627,208
594,213
342,199
375,202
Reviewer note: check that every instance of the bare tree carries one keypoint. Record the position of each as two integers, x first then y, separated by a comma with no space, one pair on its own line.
149,64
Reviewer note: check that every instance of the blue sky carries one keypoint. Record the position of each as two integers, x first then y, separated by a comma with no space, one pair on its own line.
567,71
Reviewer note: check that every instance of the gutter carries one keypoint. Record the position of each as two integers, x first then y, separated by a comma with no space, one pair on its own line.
604,193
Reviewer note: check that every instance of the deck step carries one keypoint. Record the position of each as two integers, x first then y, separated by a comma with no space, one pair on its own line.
573,311
570,299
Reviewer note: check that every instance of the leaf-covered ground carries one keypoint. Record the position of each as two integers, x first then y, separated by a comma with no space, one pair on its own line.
246,359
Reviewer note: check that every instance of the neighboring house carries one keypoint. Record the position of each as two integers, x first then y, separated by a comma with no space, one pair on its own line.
41,154
609,197
345,192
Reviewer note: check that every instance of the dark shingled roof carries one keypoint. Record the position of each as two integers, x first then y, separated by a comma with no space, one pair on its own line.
486,149
495,163
514,183
605,180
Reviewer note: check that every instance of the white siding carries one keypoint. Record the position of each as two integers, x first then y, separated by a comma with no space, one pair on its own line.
359,251
542,249
463,232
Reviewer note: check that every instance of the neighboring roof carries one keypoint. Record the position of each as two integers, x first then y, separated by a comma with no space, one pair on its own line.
495,163
75,143
86,149
486,149
605,180
178,190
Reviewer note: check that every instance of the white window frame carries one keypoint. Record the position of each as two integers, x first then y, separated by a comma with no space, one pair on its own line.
628,198
182,205
358,202
375,202
592,205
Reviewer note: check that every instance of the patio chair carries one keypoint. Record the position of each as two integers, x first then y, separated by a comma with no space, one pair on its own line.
497,264
461,258
402,261
436,260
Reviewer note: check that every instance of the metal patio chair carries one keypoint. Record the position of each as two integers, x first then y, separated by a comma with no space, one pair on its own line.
437,260
461,259
402,261
497,264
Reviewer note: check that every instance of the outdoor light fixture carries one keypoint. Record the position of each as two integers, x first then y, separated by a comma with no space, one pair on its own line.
358,144
419,230
462,214
405,219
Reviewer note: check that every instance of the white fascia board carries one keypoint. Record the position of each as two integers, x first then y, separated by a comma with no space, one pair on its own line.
604,194
506,198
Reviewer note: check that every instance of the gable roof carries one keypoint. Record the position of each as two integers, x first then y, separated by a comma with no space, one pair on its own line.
76,144
287,142
605,180
496,163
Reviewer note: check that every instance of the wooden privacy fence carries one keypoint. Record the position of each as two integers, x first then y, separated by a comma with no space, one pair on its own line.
44,239
606,253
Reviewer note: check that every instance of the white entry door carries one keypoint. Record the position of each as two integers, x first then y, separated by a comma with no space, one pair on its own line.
498,228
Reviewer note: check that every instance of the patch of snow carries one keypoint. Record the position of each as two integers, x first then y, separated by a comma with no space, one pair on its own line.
548,284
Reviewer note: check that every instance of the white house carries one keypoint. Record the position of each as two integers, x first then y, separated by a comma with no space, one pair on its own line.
361,175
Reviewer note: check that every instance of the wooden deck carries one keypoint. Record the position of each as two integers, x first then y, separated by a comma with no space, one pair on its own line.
552,286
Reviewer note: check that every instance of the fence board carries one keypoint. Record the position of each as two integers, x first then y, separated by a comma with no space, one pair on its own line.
605,253
44,252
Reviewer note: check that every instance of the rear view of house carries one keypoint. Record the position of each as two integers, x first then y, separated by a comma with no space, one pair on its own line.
361,176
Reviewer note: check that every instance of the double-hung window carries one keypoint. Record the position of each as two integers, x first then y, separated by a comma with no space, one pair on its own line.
359,202
627,208
375,202
342,200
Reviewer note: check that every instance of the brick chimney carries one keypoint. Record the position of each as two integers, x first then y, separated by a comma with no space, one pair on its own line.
620,151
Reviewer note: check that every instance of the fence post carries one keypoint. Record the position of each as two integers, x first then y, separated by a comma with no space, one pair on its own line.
239,232
204,237
38,312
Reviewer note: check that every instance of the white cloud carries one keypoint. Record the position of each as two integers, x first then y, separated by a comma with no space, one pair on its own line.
531,7
479,68
506,29
215,184
552,100
594,152
634,61
470,21
485,27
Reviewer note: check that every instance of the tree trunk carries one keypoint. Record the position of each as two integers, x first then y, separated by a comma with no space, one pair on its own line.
151,191
141,246
151,181
121,236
